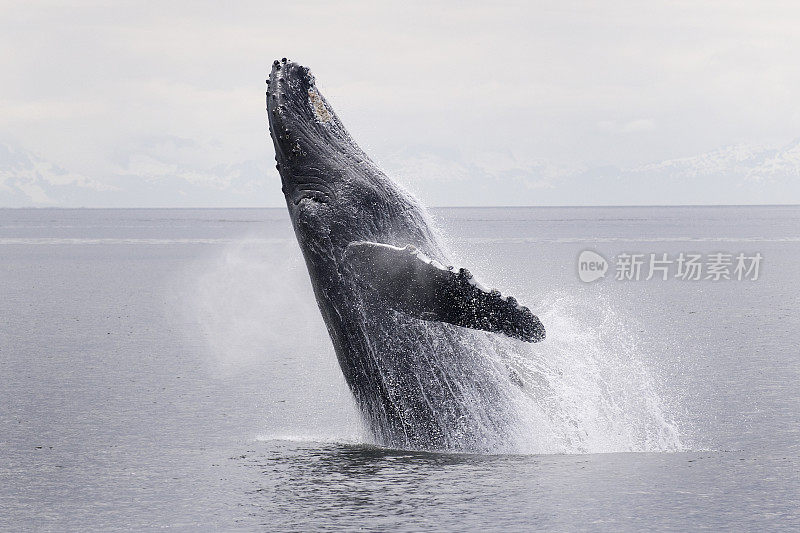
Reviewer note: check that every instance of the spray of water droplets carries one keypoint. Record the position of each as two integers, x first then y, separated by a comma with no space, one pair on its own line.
590,387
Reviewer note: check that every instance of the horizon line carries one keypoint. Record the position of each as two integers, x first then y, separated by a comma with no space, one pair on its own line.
583,206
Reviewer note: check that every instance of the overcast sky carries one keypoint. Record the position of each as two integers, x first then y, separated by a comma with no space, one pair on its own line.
162,103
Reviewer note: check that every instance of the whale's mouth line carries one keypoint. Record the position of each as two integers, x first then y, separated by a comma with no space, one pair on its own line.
311,194
311,188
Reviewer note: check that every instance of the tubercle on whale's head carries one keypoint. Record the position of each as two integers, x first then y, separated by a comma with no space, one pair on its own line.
306,134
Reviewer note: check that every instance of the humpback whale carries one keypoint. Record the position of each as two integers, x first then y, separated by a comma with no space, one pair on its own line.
415,338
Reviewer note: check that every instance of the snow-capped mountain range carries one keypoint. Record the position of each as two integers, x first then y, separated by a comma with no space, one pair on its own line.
740,174
742,162
141,180
26,179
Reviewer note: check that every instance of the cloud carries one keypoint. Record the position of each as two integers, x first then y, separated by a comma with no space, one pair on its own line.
12,113
571,85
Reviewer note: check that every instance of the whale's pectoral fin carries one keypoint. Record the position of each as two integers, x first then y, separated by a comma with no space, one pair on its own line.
408,281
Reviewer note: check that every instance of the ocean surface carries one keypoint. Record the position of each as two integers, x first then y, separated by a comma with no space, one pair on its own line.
169,369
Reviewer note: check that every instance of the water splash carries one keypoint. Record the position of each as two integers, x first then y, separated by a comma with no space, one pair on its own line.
251,301
588,388
249,309
591,387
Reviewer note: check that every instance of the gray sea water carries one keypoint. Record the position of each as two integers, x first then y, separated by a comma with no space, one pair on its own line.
168,369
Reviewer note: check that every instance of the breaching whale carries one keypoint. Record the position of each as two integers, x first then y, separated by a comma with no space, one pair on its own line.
413,336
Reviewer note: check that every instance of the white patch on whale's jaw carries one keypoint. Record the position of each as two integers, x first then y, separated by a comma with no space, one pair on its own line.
318,106
410,248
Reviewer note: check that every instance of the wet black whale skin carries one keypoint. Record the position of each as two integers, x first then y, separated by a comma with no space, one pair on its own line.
420,381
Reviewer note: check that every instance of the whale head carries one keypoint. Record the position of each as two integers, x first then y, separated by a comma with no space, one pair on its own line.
306,134
334,192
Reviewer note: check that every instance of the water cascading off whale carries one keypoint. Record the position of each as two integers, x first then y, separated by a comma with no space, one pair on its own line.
416,340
